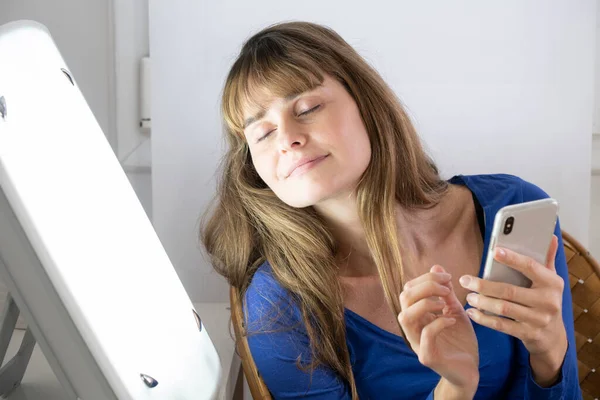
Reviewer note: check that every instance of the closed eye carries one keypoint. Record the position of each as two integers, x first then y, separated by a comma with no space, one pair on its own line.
265,136
309,111
304,113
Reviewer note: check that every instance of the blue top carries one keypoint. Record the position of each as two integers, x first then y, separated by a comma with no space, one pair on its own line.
384,367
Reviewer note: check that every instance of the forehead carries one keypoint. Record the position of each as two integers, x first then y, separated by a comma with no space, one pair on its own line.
257,111
257,107
257,95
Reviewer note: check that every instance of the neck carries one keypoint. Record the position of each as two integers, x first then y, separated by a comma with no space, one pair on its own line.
423,229
341,216
417,230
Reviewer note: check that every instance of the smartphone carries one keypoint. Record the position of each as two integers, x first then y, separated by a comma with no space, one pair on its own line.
525,228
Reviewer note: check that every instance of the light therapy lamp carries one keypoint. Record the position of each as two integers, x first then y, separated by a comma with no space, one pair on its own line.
80,258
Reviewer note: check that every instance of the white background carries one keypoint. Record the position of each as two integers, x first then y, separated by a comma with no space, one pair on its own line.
505,86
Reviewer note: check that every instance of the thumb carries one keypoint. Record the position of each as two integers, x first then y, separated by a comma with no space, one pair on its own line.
452,302
438,269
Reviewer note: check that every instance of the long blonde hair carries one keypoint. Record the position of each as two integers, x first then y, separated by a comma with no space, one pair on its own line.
250,224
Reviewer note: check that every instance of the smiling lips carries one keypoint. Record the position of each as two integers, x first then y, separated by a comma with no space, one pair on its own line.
304,164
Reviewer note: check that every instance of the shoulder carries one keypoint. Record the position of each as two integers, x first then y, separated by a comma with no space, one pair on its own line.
263,284
501,189
267,302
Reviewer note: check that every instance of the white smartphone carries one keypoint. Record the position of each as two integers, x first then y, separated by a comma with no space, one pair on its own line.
525,228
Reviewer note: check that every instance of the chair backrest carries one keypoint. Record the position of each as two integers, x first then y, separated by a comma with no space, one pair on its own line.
584,280
257,386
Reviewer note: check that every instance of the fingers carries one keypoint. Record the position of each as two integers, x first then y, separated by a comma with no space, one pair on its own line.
501,290
415,318
537,339
412,294
420,301
507,309
428,335
439,276
505,325
529,267
438,268
414,315
453,305
551,256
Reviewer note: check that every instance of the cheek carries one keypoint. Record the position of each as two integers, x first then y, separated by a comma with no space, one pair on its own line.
348,123
351,135
266,168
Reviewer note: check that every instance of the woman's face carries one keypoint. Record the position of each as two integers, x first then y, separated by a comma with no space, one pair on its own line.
323,125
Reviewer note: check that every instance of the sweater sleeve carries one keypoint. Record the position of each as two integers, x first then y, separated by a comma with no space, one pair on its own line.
278,340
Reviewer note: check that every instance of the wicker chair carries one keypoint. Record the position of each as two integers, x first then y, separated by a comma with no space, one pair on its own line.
584,279
257,386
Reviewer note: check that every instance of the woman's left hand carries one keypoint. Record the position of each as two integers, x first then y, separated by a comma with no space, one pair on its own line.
535,312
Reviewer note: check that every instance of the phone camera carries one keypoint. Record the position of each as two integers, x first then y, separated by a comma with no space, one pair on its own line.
508,226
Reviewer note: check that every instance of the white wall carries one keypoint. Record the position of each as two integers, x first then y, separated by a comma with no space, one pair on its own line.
503,86
596,123
595,218
594,244
131,44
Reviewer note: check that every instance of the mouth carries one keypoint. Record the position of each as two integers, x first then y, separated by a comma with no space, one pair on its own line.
299,170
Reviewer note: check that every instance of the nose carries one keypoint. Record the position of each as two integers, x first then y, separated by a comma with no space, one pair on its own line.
291,136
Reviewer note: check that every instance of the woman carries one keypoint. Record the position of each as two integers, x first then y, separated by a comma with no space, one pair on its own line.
360,266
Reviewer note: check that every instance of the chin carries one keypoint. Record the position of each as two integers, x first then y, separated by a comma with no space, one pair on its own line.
305,196
302,201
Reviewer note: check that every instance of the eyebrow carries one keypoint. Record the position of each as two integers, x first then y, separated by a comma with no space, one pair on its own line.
260,115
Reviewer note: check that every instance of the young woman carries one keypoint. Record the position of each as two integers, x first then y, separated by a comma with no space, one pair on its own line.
360,266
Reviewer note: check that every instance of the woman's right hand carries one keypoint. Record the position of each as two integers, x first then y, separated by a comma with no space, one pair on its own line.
440,332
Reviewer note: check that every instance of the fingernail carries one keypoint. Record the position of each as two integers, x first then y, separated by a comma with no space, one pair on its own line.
465,280
472,298
500,252
438,269
471,312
